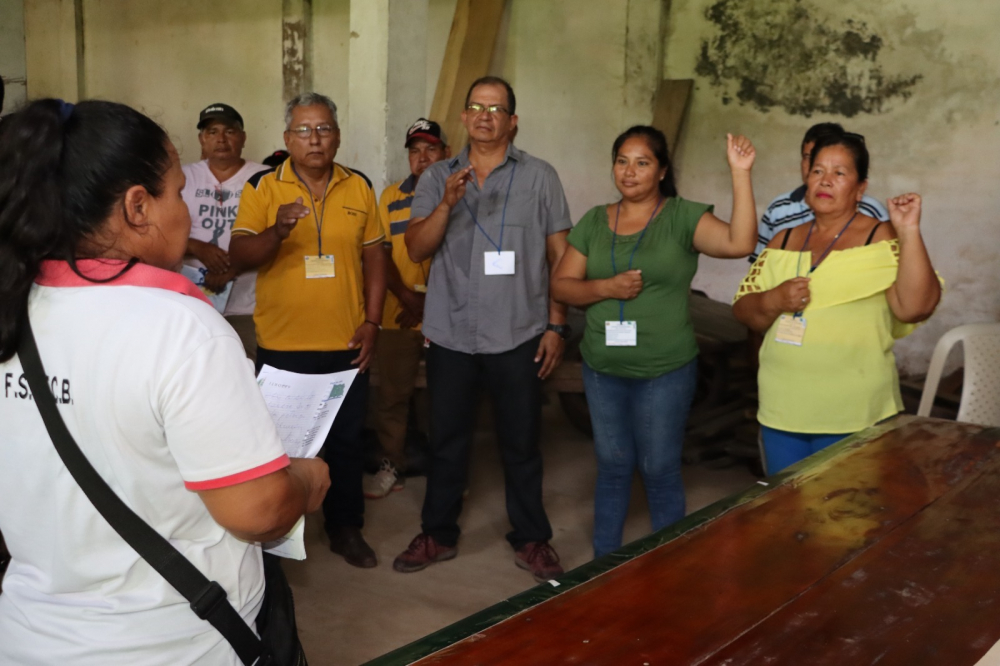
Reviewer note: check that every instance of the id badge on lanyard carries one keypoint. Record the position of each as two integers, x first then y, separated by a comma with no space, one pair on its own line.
320,266
499,263
791,330
624,333
620,334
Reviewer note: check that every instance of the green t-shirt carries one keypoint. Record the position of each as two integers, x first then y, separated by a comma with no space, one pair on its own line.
668,261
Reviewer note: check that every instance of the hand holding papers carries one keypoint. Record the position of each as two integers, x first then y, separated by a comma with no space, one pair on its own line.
303,408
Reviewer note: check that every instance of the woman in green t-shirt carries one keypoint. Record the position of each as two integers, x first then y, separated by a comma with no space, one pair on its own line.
630,263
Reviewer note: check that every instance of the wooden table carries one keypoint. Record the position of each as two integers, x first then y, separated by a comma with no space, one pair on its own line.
883,549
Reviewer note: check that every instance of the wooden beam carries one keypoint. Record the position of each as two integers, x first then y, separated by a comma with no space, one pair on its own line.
467,57
669,108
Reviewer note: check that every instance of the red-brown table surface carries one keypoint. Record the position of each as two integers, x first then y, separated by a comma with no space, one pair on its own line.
881,550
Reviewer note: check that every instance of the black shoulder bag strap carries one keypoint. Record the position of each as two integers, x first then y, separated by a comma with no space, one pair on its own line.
208,599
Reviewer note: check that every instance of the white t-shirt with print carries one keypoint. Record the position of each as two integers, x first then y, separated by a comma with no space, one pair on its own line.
155,388
213,207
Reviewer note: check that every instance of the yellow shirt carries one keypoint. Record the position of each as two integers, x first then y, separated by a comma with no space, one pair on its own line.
843,378
394,208
294,313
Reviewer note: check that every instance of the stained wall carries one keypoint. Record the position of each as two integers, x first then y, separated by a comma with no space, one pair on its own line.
920,79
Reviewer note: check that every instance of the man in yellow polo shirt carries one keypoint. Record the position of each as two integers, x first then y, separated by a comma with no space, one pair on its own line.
311,227
400,342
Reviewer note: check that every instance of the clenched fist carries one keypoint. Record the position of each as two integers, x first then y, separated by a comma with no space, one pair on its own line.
791,295
624,286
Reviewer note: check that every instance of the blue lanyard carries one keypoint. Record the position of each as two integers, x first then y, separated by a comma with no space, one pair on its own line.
805,244
317,219
503,215
614,239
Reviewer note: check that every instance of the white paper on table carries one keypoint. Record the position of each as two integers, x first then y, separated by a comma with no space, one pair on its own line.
303,408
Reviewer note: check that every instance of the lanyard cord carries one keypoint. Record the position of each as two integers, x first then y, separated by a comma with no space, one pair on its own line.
614,239
322,214
798,263
503,215
805,243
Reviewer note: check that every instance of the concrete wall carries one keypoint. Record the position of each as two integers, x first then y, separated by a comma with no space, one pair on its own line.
938,137
918,77
12,58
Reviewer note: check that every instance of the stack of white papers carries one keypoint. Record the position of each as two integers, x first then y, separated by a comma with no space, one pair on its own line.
303,408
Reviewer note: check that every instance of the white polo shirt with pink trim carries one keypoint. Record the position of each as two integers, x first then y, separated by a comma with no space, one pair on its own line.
157,391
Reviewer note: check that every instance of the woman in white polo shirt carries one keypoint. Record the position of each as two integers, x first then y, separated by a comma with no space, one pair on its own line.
152,384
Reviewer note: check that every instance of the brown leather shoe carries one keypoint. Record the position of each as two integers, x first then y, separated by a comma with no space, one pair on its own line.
347,541
540,559
422,552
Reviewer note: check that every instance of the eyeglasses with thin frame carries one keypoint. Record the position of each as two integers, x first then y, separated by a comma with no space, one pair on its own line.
492,109
304,131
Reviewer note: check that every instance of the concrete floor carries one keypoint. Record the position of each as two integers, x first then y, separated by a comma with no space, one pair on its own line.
347,615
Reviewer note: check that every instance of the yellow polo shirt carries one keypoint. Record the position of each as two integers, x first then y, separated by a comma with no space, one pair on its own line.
394,209
294,313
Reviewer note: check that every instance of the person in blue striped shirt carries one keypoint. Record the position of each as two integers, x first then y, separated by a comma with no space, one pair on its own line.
790,209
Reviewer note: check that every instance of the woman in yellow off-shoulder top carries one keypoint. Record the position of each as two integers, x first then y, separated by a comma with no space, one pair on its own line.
830,298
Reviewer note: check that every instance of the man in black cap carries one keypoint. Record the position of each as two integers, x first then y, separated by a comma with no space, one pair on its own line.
212,193
400,341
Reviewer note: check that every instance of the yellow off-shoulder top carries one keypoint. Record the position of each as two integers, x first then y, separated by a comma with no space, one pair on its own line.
843,378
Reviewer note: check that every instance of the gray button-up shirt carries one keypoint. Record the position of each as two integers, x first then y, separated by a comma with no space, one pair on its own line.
467,310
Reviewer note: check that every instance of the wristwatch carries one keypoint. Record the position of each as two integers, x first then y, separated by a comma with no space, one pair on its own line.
562,330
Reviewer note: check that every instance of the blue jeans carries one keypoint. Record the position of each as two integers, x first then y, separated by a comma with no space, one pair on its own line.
783,449
637,422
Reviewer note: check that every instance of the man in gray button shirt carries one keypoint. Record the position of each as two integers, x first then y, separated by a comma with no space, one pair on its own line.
495,220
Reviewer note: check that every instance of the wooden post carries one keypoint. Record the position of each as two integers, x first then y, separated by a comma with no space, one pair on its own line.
466,58
669,108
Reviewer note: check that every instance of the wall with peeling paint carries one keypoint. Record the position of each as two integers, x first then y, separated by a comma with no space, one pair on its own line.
921,79
567,68
938,136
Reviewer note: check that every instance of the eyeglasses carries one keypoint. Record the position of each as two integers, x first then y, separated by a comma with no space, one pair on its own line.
304,131
492,109
856,137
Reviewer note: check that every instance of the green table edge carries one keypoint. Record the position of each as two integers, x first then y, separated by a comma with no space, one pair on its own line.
508,608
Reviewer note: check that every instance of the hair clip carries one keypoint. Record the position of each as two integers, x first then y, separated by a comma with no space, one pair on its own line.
66,109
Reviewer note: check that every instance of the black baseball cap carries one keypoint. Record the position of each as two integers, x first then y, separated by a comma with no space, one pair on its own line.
428,130
219,112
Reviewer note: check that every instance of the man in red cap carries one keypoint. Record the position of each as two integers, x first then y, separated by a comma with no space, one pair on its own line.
400,341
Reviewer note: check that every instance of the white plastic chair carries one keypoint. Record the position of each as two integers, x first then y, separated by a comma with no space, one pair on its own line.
981,381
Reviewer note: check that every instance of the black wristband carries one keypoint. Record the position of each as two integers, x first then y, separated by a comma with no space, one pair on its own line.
369,321
562,330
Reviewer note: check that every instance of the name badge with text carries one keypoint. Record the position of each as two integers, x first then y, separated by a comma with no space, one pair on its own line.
499,263
791,330
620,333
320,266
